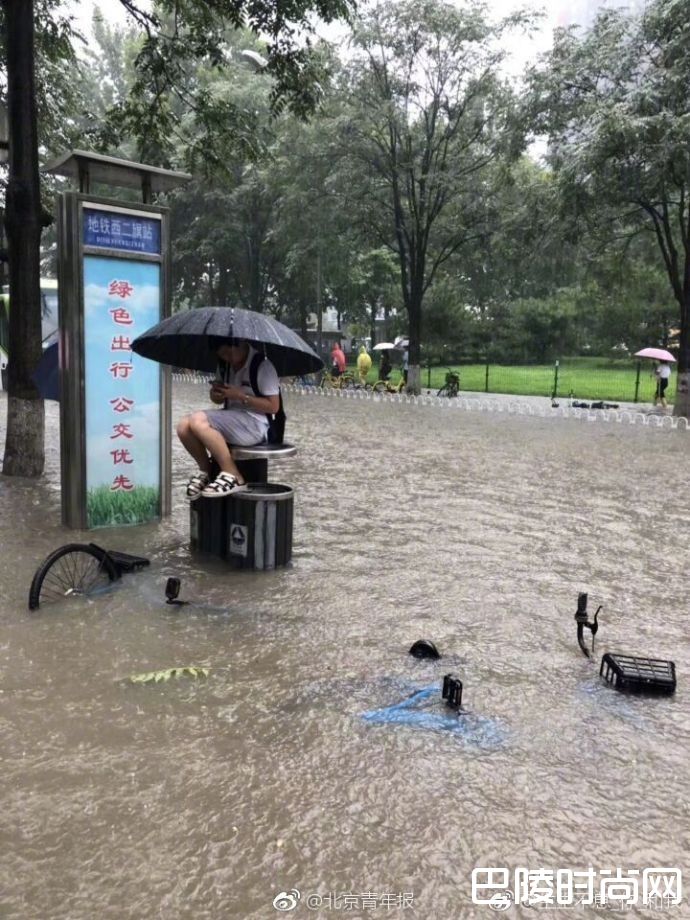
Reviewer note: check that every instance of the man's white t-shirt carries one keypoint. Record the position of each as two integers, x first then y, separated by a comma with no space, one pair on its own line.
266,380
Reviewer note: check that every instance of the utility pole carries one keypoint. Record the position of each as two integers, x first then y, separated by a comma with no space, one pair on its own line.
319,309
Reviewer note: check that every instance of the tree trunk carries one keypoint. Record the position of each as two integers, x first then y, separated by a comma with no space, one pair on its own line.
303,313
414,376
211,287
254,269
24,451
681,405
414,379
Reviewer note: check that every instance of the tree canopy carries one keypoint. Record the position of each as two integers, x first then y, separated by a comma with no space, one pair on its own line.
181,46
391,181
614,103
428,113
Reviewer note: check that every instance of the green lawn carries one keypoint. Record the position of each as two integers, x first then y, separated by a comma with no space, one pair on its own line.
585,378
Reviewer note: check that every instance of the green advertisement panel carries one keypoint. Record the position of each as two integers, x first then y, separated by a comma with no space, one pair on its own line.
122,298
113,267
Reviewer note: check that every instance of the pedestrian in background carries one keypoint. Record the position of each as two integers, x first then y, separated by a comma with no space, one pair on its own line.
385,366
662,372
363,363
338,363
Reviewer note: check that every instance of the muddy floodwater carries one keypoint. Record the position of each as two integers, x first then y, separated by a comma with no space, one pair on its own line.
290,774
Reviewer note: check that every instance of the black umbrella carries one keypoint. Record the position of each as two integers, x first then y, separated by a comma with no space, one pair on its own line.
191,339
47,373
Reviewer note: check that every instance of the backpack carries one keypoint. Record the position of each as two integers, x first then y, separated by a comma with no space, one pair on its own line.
276,423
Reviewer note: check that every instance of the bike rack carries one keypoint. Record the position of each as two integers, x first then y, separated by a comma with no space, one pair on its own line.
639,675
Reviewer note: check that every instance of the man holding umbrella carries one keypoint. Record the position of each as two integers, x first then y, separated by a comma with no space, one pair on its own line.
252,351
243,420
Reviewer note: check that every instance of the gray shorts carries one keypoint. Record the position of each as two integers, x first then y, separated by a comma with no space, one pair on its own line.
237,427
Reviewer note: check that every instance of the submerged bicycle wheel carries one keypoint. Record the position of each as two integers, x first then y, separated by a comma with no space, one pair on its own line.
73,570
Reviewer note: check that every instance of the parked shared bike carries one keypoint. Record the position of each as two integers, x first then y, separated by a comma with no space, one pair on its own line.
451,387
344,381
385,386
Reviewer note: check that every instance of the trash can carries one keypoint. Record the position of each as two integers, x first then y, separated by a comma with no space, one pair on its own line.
250,529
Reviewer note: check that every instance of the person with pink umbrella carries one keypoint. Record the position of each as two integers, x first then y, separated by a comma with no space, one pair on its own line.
662,370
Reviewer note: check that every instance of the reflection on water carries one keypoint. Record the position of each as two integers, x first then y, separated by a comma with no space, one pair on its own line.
207,797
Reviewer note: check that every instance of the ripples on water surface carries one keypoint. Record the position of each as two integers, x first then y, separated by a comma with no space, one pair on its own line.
206,798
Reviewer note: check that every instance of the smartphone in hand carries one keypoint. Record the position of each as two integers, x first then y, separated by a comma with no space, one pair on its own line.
216,392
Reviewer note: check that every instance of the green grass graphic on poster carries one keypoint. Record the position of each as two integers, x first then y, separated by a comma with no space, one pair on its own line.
123,400
105,508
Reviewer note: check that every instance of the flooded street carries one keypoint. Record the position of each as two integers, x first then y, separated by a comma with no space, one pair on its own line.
207,797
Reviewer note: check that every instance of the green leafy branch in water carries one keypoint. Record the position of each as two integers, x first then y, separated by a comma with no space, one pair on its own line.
158,677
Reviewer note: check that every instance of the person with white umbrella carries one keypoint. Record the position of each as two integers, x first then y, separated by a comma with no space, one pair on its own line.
403,344
385,366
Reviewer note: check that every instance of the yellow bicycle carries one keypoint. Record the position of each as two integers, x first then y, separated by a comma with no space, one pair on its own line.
385,386
344,381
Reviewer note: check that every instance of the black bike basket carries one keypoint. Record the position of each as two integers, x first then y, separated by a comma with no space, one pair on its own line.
639,675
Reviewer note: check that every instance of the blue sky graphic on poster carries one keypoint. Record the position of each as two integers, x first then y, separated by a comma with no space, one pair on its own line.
121,300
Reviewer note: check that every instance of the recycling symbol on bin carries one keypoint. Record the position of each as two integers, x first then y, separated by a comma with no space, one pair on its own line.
238,540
